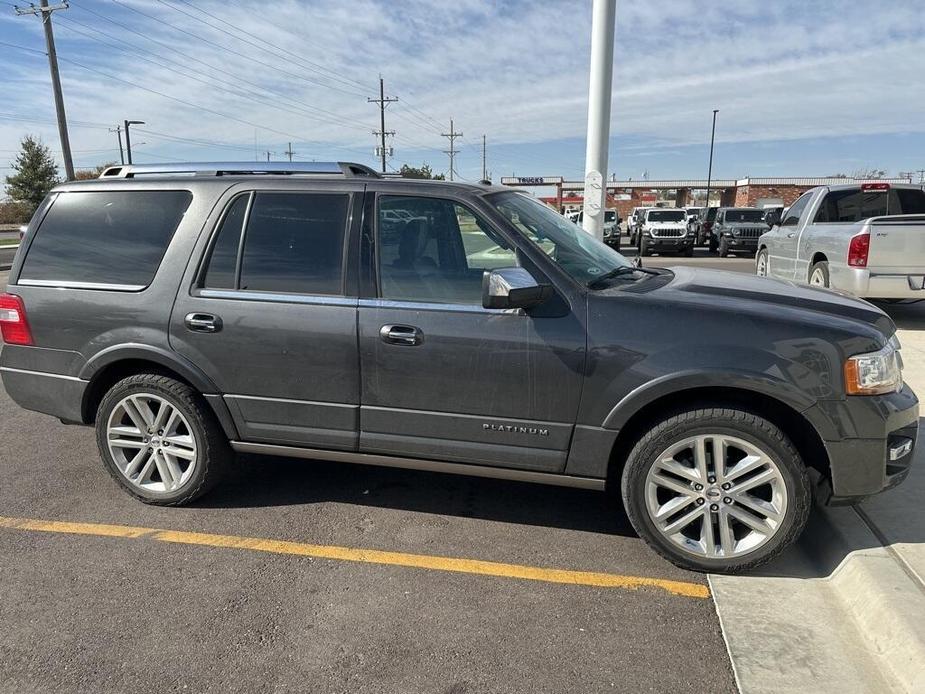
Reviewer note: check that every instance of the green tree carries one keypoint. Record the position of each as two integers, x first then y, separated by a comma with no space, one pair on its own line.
424,172
35,174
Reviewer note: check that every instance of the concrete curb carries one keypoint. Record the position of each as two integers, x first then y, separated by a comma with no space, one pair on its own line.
837,613
887,603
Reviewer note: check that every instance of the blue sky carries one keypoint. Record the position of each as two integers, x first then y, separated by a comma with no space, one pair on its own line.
803,88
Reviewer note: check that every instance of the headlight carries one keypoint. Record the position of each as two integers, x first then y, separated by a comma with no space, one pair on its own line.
735,232
875,373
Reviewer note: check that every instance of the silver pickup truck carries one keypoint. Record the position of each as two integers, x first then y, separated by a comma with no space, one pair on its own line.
866,239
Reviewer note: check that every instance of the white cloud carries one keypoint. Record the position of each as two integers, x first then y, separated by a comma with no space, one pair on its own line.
516,71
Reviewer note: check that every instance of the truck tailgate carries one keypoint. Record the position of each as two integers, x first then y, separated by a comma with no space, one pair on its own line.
897,244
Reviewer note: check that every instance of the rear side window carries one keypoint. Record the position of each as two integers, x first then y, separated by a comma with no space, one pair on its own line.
293,244
856,205
105,237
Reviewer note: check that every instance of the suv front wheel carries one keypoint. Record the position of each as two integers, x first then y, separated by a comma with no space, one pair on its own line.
159,440
716,489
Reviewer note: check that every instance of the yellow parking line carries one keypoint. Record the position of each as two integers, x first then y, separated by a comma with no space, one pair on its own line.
370,556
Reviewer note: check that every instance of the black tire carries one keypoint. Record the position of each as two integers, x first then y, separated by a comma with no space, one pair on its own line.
723,248
644,246
717,420
822,267
214,454
688,252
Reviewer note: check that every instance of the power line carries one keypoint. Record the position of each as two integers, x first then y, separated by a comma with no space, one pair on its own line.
335,119
44,11
316,67
383,101
294,75
451,136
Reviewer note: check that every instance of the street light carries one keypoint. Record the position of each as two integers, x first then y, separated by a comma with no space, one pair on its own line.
709,170
128,141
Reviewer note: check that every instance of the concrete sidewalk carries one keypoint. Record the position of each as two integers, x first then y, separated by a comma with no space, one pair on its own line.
844,610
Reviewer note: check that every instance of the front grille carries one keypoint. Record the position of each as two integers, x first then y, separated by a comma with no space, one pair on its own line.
668,233
751,232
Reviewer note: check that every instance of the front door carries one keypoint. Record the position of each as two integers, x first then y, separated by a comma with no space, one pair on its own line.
444,378
783,254
268,319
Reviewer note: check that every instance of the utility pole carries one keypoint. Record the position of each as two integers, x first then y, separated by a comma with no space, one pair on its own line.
118,131
603,21
710,167
128,139
484,170
921,173
451,136
382,132
289,152
45,11
268,153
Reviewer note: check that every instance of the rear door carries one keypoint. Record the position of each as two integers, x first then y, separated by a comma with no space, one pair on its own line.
445,378
270,315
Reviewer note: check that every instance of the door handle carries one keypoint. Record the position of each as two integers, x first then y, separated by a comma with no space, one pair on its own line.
203,323
401,335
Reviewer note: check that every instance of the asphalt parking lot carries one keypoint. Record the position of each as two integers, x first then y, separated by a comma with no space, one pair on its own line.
89,607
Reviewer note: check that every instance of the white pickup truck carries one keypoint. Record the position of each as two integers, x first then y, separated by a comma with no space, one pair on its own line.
867,239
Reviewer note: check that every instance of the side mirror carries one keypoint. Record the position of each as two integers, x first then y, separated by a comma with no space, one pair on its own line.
512,287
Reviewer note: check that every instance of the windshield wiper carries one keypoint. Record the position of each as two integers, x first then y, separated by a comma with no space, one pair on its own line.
598,282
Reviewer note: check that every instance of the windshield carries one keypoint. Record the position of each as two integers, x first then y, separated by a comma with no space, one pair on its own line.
610,216
744,215
578,253
666,216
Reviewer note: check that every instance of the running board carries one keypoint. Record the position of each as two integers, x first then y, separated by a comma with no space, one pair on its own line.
418,464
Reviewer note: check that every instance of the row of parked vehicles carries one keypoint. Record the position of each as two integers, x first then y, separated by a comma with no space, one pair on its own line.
725,230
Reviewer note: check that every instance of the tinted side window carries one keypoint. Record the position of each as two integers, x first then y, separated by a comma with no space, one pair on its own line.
792,218
105,237
224,257
294,243
438,253
855,205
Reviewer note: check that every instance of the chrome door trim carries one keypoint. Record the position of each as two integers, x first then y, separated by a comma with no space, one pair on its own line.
10,369
434,306
279,298
290,400
421,464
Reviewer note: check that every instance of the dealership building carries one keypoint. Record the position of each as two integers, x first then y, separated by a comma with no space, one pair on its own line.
742,192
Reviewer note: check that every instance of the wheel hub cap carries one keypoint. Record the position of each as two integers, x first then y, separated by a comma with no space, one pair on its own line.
151,442
716,496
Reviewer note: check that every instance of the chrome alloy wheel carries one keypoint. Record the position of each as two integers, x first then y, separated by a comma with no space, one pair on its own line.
762,265
151,443
817,278
716,496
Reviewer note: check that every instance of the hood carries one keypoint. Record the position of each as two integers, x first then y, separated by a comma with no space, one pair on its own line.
752,293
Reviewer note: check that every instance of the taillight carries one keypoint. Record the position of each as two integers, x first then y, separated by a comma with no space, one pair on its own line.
874,187
13,324
858,250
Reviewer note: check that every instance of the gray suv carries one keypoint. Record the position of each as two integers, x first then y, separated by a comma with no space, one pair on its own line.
323,312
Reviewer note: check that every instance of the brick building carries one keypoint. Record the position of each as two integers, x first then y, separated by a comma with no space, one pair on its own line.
743,192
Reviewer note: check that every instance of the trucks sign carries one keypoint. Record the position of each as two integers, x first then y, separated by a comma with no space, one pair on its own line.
531,180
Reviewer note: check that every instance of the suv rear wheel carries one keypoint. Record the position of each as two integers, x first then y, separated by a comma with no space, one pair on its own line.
716,489
159,440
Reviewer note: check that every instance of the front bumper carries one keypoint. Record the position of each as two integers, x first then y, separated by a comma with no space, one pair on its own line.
671,243
870,441
741,243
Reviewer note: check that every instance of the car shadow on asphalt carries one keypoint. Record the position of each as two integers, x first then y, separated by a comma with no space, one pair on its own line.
264,481
907,316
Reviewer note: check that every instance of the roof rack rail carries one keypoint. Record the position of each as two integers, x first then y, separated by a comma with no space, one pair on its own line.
240,168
